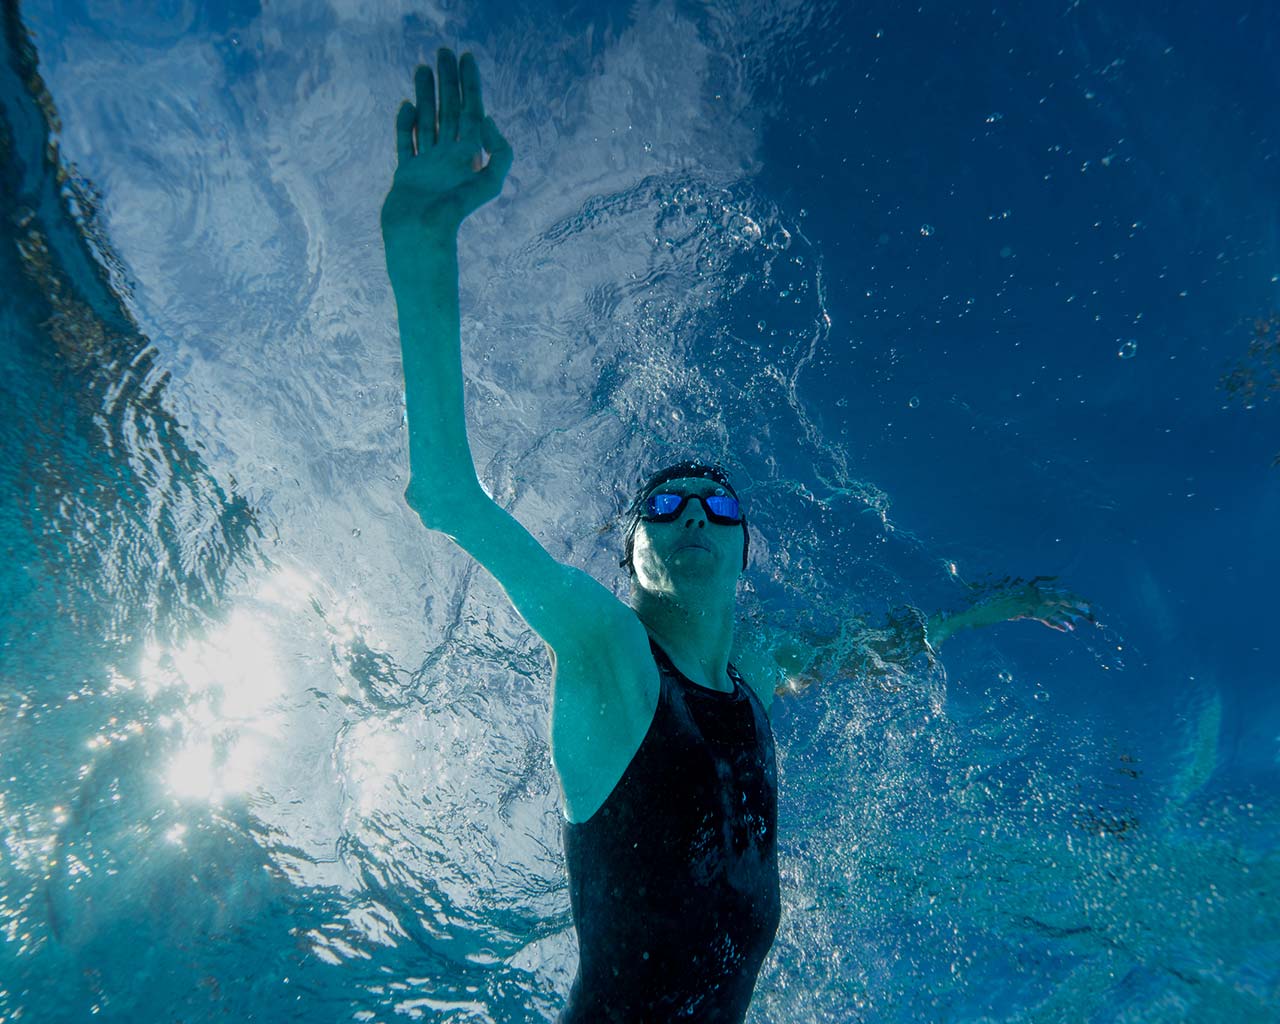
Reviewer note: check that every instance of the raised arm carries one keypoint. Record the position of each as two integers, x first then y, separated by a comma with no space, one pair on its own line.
441,177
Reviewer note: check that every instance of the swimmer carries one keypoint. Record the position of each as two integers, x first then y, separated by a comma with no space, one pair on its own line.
660,734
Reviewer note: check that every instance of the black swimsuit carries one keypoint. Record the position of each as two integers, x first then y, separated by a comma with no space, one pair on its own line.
674,880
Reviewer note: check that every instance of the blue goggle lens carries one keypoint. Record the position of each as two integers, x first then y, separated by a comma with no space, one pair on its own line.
721,508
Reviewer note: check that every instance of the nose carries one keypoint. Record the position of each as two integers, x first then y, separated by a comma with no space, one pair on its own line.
695,514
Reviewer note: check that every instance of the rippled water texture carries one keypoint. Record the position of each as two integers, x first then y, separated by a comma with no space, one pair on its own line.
269,750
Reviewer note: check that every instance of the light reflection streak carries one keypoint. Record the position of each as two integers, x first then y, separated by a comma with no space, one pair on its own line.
376,755
234,681
242,706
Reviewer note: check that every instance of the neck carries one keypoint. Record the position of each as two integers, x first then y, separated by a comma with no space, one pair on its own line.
698,636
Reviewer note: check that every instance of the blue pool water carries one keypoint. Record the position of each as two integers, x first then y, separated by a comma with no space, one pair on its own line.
952,289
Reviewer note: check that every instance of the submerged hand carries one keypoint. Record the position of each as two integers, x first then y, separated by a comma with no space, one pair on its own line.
1041,601
441,176
1038,600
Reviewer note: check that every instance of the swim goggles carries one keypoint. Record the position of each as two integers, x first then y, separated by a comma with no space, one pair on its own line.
663,507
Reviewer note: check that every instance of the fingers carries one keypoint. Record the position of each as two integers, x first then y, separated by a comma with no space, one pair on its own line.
472,102
450,94
454,91
425,89
1067,621
459,99
405,117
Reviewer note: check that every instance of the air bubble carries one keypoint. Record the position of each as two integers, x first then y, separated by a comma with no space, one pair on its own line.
913,402
745,228
1128,349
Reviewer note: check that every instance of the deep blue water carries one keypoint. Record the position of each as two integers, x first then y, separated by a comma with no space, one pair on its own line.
952,291
1126,190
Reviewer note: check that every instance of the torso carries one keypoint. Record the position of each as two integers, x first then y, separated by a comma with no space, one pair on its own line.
602,710
673,879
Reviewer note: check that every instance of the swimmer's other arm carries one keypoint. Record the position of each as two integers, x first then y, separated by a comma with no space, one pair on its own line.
860,652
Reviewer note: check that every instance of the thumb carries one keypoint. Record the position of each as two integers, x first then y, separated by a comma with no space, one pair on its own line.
499,149
487,184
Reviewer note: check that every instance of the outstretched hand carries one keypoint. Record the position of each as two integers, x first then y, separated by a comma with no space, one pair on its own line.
1041,601
441,174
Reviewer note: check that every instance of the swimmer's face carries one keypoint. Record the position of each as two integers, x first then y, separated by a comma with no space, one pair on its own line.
691,547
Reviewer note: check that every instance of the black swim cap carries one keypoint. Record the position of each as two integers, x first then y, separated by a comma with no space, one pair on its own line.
676,472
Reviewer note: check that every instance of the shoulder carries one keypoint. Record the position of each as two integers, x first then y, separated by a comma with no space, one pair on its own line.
604,694
758,670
